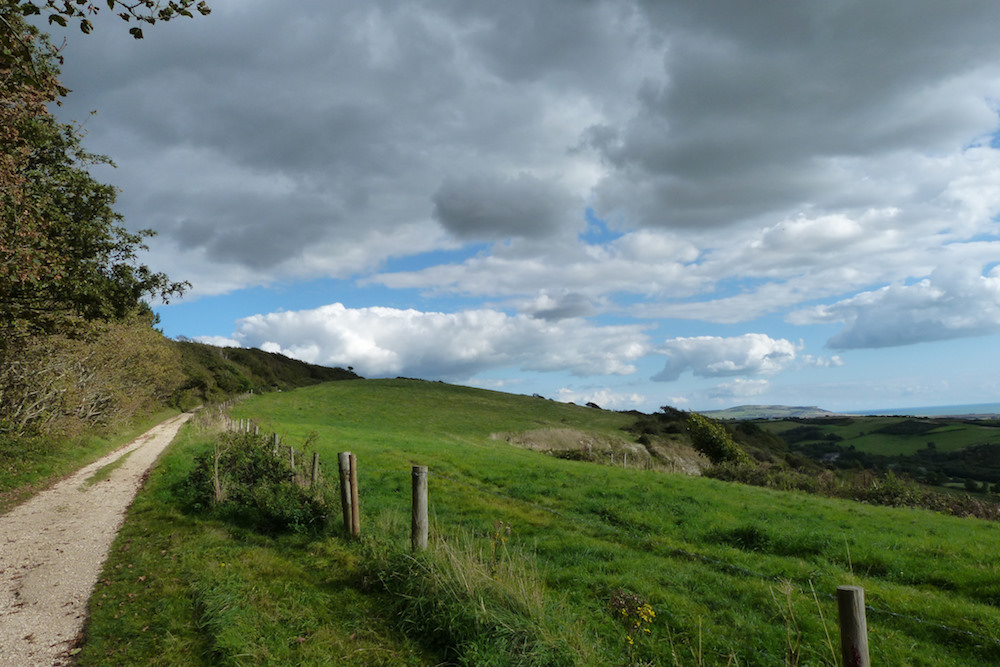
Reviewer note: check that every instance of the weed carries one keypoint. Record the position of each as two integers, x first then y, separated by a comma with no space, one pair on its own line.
635,614
793,635
105,471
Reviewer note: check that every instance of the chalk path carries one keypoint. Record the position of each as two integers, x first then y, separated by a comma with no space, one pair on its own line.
53,546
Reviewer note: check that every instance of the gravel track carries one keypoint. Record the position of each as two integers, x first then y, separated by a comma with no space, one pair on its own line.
53,546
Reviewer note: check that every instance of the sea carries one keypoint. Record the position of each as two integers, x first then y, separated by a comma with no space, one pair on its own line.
981,410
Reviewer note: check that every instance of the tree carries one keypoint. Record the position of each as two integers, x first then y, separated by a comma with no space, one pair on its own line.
60,12
65,256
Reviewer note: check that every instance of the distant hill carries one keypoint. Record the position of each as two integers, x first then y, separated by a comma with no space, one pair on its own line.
768,412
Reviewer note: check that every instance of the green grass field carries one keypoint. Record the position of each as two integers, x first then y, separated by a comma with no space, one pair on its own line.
891,436
728,570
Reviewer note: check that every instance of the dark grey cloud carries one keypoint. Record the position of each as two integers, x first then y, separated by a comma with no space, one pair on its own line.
480,207
565,307
757,111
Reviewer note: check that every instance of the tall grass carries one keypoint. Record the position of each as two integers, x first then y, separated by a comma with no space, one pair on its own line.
477,602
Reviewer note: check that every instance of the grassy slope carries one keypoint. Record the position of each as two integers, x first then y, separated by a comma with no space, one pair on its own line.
709,557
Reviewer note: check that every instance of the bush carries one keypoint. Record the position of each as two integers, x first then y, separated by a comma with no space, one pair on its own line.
711,439
242,480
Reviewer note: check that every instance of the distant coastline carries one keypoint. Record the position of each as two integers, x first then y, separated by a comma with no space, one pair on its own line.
981,410
967,411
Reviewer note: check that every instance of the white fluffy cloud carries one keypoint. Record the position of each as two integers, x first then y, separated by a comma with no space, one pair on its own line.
387,341
739,388
952,303
218,341
602,397
712,356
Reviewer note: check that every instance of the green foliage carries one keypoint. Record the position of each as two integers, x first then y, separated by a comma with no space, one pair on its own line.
960,448
141,11
65,256
243,480
212,374
711,439
475,601
862,485
104,375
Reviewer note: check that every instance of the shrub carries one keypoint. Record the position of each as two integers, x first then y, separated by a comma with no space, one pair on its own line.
711,439
243,480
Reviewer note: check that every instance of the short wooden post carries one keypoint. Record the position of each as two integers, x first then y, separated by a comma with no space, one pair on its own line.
275,444
314,478
418,525
256,429
291,458
355,504
344,462
853,626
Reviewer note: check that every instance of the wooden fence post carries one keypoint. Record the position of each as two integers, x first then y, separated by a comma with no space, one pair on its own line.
418,525
853,626
344,461
355,504
275,444
314,478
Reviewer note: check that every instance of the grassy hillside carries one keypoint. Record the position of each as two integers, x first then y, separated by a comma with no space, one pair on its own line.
534,558
212,374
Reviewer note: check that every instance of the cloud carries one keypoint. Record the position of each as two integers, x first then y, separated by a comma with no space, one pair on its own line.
455,346
651,263
795,108
956,302
711,356
218,341
491,207
602,397
740,388
743,162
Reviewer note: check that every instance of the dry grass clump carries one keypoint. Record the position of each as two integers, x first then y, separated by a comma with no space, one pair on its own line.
576,445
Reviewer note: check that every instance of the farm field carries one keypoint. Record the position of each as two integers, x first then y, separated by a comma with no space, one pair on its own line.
531,555
890,436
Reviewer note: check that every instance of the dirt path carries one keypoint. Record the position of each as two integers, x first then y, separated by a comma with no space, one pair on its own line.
52,548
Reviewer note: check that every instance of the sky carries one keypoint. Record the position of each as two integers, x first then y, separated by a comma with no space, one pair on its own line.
691,203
